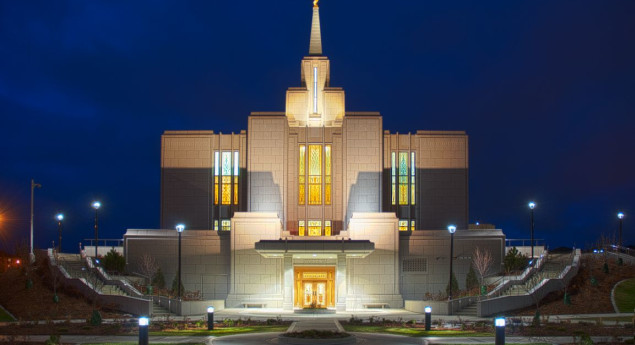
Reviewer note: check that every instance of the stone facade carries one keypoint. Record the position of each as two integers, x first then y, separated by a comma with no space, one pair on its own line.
314,206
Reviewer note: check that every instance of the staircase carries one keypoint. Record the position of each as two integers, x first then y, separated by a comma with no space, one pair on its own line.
76,267
159,311
551,269
469,310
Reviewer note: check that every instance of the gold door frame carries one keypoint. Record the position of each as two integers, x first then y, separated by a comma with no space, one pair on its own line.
314,275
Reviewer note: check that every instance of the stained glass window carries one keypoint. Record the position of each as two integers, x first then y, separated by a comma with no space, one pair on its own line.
301,228
393,180
216,225
412,225
413,169
327,174
315,228
403,225
403,178
327,228
315,174
226,225
226,172
216,170
236,172
301,176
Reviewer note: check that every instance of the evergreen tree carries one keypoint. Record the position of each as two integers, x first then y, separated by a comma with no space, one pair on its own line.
471,280
175,284
455,286
158,279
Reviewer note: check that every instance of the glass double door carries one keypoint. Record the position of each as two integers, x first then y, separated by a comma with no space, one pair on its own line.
314,294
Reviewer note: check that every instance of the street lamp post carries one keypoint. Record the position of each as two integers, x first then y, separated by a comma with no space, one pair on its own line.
532,205
60,218
179,229
452,230
620,216
33,186
96,206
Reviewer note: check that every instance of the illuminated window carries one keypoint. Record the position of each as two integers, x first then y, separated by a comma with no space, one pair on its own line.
403,178
393,180
226,225
315,91
236,172
315,174
327,175
301,228
403,225
226,178
302,176
216,170
327,228
412,225
315,228
413,168
215,225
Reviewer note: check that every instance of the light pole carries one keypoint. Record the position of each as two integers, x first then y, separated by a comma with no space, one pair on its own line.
452,230
532,205
620,216
179,229
33,186
60,218
96,206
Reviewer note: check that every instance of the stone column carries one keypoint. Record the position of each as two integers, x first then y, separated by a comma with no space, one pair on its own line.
340,283
287,284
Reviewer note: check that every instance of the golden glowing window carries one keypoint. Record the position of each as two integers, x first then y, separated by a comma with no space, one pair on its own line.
413,168
315,228
226,171
216,170
236,172
216,225
412,225
301,228
302,175
327,228
403,225
315,174
327,175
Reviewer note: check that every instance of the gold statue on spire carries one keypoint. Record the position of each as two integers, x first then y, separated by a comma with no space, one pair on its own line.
315,3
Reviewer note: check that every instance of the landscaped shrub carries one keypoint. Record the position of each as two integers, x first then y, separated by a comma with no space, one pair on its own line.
114,262
514,260
471,280
158,279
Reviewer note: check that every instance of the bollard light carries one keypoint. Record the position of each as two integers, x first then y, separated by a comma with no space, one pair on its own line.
143,330
210,318
499,322
428,311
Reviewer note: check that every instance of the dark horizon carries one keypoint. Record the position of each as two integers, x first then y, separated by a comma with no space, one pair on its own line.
543,89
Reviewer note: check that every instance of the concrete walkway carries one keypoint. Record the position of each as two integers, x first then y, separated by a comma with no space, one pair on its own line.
321,324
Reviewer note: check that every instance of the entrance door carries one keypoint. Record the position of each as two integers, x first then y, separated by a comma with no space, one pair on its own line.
314,287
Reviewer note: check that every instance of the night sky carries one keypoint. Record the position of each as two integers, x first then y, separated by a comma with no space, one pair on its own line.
544,89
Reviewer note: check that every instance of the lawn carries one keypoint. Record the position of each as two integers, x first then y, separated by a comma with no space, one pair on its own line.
625,296
219,332
4,316
414,332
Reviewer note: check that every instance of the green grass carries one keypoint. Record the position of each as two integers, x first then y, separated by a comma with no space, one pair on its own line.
625,296
219,332
414,332
4,317
135,343
606,319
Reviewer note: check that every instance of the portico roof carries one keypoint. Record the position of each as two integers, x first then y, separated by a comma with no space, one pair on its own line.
318,247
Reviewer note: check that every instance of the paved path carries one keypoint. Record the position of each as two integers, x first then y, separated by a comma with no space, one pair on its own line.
317,324
271,338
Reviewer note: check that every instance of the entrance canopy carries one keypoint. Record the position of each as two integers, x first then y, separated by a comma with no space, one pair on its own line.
314,248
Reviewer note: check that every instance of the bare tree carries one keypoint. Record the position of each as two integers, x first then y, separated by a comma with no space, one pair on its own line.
148,267
482,260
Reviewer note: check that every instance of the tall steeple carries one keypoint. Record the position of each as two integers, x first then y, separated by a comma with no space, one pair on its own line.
315,47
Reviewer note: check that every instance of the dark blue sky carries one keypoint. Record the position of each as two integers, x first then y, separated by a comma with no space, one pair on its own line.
545,90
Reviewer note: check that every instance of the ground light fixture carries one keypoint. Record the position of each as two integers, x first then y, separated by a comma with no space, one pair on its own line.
499,323
428,322
144,322
451,230
210,318
179,229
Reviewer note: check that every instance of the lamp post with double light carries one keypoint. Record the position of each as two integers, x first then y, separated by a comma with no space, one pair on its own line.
179,229
96,205
532,205
60,218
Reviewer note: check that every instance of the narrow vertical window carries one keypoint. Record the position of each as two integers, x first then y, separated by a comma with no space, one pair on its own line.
315,174
393,179
226,178
301,228
327,174
413,169
315,228
327,228
216,170
315,91
412,225
403,178
226,225
302,175
236,172
216,225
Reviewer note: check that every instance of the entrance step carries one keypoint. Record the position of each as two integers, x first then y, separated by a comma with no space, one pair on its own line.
316,324
315,311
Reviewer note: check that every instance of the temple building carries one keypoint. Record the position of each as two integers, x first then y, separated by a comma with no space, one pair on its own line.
314,206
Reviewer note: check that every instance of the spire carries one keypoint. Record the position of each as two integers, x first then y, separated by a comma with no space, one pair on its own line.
315,47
